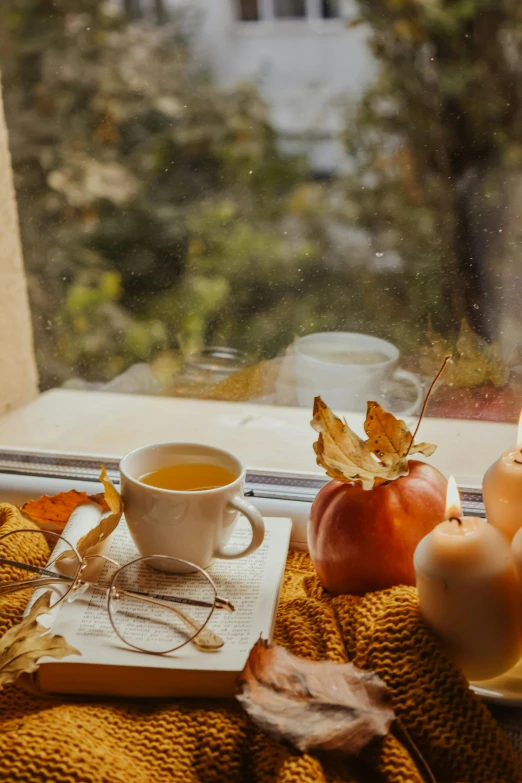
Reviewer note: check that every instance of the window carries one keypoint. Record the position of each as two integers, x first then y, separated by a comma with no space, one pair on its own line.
248,11
290,9
329,9
192,204
254,10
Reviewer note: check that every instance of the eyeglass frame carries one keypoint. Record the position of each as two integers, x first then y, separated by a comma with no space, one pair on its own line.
77,584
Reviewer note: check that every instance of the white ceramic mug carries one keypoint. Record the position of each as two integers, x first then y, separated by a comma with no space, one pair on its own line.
348,386
193,525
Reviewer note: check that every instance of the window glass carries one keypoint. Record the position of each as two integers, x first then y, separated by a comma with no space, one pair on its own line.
329,9
248,10
196,196
289,8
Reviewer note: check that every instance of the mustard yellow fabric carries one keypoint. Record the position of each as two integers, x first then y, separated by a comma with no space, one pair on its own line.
60,741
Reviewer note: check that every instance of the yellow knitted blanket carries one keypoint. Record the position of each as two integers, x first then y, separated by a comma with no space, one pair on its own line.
61,741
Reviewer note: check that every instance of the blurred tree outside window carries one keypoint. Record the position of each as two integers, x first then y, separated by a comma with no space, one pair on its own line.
159,217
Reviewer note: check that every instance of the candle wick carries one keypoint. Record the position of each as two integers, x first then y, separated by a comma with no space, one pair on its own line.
456,519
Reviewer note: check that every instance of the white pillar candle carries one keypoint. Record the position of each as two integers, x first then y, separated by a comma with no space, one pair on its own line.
468,592
502,490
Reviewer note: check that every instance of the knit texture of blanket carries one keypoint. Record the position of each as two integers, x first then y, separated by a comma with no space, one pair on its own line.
62,740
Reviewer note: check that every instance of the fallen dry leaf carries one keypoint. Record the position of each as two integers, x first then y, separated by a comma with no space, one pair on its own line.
314,705
25,643
53,512
106,525
246,384
346,457
475,362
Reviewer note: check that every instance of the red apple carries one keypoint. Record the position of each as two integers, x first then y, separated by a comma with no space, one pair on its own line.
364,540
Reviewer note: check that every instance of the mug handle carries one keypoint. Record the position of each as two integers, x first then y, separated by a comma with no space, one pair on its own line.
258,529
413,379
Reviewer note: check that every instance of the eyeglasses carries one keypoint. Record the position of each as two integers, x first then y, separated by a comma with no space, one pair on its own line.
144,598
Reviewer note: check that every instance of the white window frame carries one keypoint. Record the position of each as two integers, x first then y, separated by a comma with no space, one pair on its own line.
313,9
265,10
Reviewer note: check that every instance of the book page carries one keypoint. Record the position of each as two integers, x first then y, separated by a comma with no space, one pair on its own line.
251,584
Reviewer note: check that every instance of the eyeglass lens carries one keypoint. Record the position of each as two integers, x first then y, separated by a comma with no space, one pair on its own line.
150,609
159,620
32,549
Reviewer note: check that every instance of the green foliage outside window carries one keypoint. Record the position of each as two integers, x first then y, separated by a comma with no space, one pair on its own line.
157,214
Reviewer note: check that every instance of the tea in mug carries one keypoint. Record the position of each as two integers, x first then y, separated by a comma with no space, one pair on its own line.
189,477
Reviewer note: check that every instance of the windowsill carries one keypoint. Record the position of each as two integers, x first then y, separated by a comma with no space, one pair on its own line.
264,437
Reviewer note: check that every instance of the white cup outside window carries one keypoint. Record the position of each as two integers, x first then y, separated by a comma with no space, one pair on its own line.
316,365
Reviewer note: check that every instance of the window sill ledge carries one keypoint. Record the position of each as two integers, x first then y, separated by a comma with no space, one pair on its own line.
263,437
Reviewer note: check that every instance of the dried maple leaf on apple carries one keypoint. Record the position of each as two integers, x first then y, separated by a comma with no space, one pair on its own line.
346,457
24,644
389,438
315,705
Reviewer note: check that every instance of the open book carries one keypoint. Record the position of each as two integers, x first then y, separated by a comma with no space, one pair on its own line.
108,667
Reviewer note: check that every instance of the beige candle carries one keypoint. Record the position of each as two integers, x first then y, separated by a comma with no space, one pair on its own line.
502,489
468,592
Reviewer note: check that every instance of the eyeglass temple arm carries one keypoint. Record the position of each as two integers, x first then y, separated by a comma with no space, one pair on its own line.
36,570
33,583
220,603
205,639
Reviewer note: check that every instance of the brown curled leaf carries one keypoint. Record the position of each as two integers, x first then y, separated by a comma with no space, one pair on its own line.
315,705
106,525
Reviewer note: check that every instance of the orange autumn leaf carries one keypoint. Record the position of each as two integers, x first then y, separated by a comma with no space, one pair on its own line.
53,512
